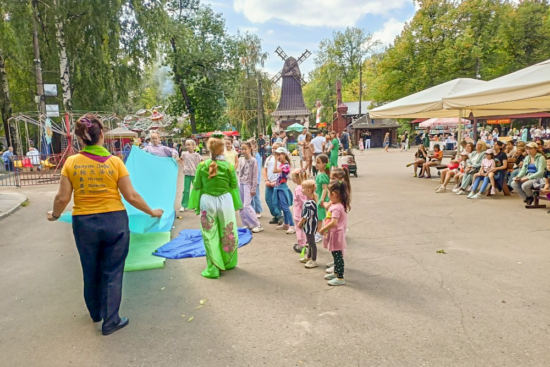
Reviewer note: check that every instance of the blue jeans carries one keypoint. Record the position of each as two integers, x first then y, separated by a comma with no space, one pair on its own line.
274,210
256,203
486,182
285,208
102,241
512,175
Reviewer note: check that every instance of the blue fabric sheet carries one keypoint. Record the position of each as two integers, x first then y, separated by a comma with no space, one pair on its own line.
155,179
189,244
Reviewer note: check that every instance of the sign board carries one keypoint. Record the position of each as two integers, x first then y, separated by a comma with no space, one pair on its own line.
52,110
50,90
499,121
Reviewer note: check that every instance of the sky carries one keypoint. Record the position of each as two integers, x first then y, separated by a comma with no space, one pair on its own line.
297,25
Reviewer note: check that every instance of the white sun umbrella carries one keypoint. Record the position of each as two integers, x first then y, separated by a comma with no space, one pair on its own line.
442,121
427,103
524,91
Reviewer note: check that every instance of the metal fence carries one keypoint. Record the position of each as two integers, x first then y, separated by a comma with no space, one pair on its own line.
40,169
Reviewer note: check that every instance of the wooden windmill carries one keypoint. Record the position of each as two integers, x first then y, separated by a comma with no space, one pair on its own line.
291,108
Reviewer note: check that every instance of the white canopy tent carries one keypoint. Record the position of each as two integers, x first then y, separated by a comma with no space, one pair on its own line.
523,91
121,133
443,121
427,103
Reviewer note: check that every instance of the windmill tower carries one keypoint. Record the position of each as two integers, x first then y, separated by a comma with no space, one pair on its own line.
291,108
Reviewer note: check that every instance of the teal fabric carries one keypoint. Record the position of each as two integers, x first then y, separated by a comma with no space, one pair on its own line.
155,179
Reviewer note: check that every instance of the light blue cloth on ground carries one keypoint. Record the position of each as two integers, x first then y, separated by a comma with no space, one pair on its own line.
155,179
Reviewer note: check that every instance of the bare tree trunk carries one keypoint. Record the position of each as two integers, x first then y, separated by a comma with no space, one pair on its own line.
63,61
6,106
179,81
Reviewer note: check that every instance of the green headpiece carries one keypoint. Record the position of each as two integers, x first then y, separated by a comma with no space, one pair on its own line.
217,134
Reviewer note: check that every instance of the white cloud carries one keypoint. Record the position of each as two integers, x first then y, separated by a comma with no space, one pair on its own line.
270,31
318,13
248,29
392,28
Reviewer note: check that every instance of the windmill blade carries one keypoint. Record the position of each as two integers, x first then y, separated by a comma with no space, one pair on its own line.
297,76
277,77
279,51
304,56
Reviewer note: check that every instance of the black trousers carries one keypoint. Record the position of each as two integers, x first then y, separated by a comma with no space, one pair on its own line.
102,241
338,257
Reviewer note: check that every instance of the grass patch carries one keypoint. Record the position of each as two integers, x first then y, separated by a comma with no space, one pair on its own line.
25,203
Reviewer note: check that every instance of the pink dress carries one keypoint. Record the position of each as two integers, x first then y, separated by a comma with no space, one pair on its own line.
299,200
335,239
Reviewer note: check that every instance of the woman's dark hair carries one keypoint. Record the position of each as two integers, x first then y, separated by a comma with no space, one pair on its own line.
472,145
89,128
437,146
324,159
342,189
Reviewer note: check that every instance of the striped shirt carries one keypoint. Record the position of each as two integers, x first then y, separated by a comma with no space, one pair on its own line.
309,212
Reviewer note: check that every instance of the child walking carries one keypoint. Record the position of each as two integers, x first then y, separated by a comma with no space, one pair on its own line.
190,160
335,230
248,184
361,146
308,223
299,176
282,196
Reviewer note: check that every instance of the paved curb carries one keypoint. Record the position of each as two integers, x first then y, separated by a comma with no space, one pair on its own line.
10,202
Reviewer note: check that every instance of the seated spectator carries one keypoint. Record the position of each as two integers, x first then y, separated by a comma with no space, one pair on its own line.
534,166
34,157
452,167
501,162
487,165
455,172
472,167
8,161
420,158
510,149
546,188
519,156
434,160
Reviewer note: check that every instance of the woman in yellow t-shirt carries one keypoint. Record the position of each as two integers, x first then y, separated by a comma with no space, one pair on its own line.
230,153
100,222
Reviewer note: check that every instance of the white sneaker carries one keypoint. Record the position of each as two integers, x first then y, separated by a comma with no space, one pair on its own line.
304,260
477,196
257,229
330,264
182,209
330,276
283,227
291,230
462,192
471,195
493,191
440,190
318,237
456,189
330,270
311,264
336,281
259,215
438,187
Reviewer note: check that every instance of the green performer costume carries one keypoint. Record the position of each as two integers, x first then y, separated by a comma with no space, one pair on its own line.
320,180
216,199
334,153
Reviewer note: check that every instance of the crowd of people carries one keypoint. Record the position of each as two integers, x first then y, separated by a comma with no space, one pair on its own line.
222,185
517,165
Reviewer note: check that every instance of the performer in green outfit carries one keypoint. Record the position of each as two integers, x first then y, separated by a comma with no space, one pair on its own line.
215,197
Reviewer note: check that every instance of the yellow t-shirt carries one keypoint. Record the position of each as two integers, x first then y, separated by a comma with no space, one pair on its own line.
95,184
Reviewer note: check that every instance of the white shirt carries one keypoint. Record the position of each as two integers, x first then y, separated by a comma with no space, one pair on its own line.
301,137
34,156
538,133
318,143
270,165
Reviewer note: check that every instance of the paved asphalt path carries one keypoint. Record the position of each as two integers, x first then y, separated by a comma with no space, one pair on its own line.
483,303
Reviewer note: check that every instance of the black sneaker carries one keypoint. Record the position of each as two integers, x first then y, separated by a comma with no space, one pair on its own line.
123,322
274,221
297,248
530,200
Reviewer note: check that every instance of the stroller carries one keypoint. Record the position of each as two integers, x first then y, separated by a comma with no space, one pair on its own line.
347,159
